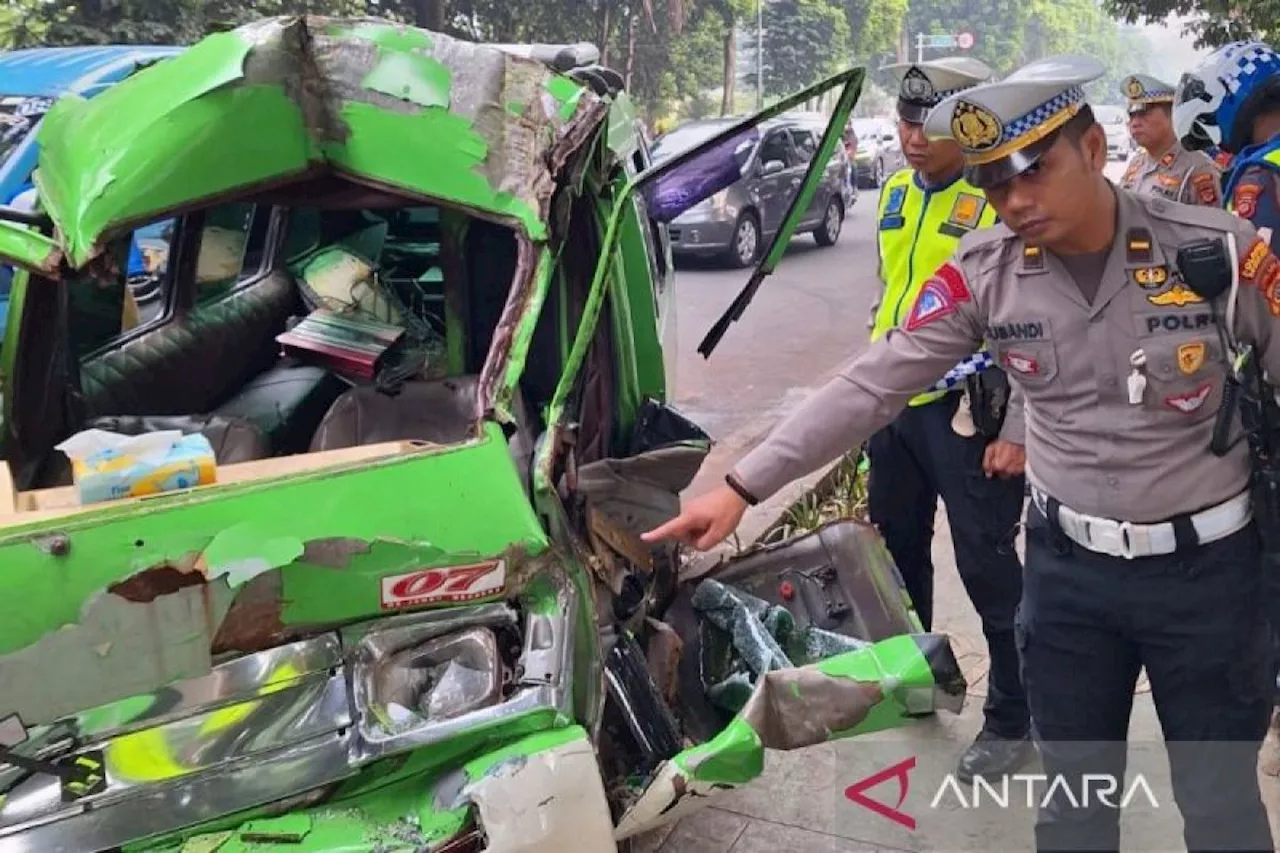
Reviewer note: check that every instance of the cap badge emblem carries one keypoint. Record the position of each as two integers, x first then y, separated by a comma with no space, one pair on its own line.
975,127
916,85
1134,87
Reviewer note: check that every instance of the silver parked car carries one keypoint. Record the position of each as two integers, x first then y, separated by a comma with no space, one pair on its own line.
879,151
1115,121
736,223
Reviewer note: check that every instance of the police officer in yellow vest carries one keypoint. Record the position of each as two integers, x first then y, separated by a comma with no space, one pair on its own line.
938,445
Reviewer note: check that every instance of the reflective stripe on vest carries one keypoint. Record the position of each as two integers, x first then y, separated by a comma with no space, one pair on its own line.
918,231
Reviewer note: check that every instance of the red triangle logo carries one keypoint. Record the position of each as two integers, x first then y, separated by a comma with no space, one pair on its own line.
857,792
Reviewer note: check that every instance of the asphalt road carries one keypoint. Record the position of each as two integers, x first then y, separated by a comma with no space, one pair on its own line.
806,321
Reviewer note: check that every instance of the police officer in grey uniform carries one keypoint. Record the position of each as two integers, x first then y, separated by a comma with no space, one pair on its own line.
1141,546
1162,167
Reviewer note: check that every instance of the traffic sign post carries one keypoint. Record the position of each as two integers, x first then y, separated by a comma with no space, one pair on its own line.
947,41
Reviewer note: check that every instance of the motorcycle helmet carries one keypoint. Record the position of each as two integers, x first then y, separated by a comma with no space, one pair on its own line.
1216,102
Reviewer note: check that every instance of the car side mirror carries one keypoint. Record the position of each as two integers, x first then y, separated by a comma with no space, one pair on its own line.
772,167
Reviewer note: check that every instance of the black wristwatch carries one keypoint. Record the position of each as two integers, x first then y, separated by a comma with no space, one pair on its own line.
740,489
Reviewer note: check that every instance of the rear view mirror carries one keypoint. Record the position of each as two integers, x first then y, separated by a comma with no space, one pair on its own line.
773,167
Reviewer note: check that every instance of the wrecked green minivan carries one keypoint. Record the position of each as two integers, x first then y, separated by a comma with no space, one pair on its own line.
415,307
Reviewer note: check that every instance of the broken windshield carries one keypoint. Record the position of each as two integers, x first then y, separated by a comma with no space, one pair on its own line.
19,115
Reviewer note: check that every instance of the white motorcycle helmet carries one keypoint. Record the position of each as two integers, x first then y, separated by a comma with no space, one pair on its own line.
1216,102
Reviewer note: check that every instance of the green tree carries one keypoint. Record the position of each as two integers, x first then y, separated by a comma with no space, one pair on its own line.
998,27
875,28
19,25
804,41
1214,22
1082,26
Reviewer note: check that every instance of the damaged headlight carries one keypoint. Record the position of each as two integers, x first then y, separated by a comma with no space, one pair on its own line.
433,680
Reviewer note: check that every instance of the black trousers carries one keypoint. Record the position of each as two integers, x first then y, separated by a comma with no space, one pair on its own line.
1197,622
916,459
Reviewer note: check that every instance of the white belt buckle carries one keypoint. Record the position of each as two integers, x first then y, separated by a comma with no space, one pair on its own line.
1108,536
1127,550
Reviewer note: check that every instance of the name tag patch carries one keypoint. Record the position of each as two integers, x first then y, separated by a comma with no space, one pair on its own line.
1030,331
1177,322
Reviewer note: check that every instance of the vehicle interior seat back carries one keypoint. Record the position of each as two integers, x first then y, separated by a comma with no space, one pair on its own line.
441,412
233,439
191,364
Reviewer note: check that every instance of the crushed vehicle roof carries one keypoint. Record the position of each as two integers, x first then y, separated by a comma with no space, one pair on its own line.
288,100
53,71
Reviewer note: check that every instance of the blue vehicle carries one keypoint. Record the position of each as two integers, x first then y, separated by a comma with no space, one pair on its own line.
30,81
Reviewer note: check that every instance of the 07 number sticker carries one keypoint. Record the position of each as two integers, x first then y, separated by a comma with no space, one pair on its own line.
444,585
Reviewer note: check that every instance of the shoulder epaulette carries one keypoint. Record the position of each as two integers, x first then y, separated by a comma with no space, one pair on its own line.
1196,215
977,241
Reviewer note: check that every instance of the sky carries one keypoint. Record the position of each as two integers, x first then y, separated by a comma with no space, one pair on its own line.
1172,52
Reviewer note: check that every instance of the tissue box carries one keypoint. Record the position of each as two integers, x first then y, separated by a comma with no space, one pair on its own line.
107,466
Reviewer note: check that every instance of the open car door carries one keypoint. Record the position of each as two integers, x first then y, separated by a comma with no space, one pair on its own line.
791,645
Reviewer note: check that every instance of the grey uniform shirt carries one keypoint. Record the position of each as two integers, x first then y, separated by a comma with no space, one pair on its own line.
1189,177
1086,444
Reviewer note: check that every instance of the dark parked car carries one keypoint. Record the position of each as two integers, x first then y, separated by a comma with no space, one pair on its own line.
736,223
879,151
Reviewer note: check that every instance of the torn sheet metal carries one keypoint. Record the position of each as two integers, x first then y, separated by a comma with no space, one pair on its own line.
876,687
29,249
343,95
545,802
118,648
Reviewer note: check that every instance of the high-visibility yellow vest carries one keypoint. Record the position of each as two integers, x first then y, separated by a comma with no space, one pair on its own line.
918,230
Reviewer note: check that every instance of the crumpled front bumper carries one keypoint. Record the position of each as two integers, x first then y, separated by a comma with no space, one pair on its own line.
539,794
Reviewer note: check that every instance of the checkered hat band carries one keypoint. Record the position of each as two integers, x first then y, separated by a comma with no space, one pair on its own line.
1050,108
970,366
934,99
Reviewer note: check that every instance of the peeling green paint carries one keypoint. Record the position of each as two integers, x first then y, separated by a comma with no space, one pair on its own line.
28,248
173,135
453,171
734,757
404,72
896,664
523,749
622,137
567,93
246,550
110,544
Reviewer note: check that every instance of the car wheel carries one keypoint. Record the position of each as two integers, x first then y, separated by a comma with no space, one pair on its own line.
144,288
832,221
745,245
877,178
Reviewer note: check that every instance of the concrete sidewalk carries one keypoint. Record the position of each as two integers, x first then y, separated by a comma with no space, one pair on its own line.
797,804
